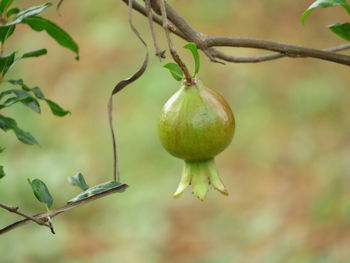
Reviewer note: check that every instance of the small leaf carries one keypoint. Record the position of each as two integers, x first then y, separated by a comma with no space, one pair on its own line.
175,70
341,30
346,7
20,83
2,171
7,123
6,62
97,189
31,54
78,180
41,192
321,4
12,11
4,4
35,53
193,48
56,109
62,37
21,96
32,11
6,32
38,93
31,103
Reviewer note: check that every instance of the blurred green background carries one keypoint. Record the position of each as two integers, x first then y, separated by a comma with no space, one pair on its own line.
287,170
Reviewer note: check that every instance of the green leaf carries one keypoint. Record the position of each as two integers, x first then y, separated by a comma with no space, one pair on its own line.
6,32
78,180
7,123
21,96
2,172
6,62
38,93
56,109
321,4
346,7
41,192
12,11
35,53
32,11
341,30
175,70
62,37
4,4
29,102
193,48
96,190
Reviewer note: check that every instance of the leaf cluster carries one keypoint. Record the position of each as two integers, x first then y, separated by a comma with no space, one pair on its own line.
175,69
21,93
340,29
42,194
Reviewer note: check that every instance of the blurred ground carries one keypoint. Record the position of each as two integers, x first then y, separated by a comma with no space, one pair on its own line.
287,170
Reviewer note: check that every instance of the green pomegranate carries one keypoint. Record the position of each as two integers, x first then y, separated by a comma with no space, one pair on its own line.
195,125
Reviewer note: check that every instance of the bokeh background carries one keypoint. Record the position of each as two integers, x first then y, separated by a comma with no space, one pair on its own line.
287,169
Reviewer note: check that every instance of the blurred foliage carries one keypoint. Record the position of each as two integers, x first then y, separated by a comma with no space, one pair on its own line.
287,170
11,17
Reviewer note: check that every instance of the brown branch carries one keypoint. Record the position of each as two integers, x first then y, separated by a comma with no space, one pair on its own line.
221,55
159,53
285,49
62,209
207,43
15,209
142,10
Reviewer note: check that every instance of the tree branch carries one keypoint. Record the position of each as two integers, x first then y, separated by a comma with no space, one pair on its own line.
43,217
15,209
142,10
221,55
159,53
285,49
207,43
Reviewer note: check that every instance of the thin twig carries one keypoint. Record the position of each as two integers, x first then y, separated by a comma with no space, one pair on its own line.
221,55
15,209
159,53
285,49
55,212
171,46
58,6
338,48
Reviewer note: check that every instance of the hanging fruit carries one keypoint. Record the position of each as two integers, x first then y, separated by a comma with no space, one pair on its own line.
195,125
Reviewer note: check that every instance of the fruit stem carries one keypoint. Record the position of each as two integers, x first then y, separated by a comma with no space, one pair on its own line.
176,57
200,174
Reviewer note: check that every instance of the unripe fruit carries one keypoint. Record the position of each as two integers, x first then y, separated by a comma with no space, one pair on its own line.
195,125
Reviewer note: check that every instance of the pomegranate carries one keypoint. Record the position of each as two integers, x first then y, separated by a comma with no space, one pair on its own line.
195,125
